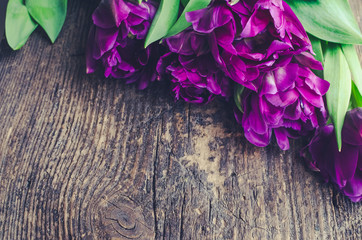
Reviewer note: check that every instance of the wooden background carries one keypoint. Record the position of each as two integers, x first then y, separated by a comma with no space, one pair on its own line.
83,157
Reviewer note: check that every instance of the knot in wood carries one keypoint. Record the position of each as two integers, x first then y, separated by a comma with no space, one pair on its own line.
122,218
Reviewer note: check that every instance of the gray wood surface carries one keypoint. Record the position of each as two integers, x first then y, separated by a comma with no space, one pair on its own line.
83,157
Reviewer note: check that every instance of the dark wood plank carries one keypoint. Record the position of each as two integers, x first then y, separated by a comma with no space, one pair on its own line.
85,157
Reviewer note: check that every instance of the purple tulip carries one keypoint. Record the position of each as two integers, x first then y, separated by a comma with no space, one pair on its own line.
269,35
116,41
342,168
288,102
250,38
195,76
217,23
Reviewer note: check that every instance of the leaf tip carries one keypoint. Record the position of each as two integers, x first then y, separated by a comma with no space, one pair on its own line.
340,147
146,44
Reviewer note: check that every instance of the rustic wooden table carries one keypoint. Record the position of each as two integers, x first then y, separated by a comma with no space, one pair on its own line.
83,157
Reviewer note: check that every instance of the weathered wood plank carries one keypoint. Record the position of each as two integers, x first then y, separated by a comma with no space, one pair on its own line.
86,157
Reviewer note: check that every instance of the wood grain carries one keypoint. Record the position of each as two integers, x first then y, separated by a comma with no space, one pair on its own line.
83,157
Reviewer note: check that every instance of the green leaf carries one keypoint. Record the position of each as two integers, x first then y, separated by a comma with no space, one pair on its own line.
356,97
350,53
330,20
337,72
165,17
233,2
50,14
317,48
238,90
181,23
18,24
139,1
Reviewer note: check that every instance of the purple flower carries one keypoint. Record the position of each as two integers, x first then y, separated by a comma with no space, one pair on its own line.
250,38
217,23
289,102
116,41
342,168
268,36
195,76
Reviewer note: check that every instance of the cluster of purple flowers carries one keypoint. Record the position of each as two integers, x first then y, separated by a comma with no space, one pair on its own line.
116,41
258,44
273,60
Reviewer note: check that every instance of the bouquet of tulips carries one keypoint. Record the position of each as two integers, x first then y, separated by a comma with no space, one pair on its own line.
288,68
